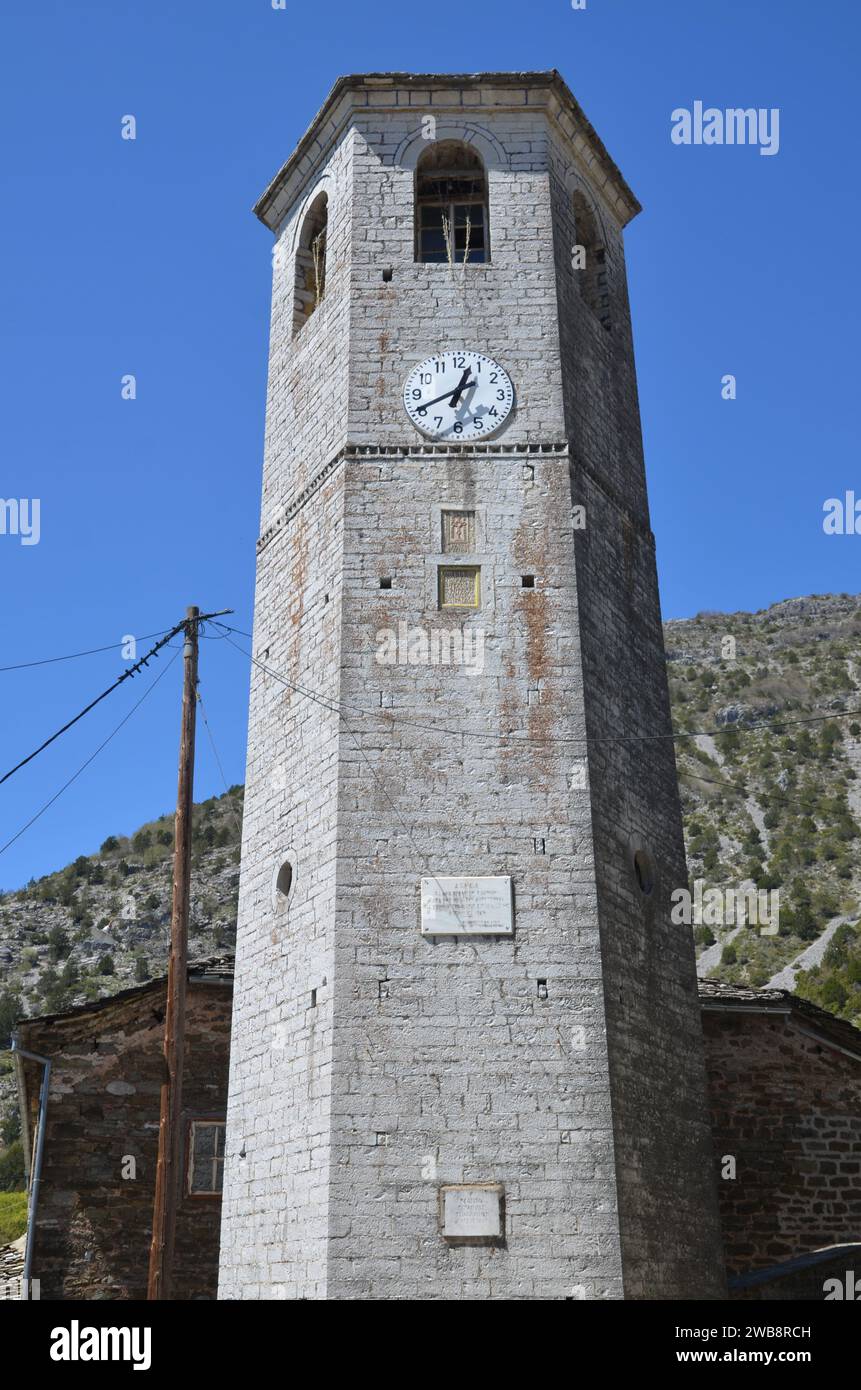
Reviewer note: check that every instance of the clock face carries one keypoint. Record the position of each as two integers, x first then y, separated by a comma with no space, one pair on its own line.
458,396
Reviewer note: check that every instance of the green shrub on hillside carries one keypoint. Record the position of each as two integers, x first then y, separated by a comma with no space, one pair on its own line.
13,1216
12,1171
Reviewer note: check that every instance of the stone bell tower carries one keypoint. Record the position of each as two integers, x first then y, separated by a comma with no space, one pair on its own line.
466,1057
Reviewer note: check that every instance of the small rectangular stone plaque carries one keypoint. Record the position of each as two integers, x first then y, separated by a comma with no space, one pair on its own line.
472,1212
458,532
460,588
467,907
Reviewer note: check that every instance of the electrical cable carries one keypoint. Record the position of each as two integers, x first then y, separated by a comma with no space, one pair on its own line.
362,754
520,735
126,675
76,775
237,823
72,656
132,671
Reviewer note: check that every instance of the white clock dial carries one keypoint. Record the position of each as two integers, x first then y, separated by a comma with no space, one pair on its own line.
458,395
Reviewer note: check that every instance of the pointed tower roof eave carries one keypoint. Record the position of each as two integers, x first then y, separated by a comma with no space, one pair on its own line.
440,91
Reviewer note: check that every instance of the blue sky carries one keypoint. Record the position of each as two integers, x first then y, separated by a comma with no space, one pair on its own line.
143,257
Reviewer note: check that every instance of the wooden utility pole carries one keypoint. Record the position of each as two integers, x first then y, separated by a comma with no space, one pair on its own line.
168,1178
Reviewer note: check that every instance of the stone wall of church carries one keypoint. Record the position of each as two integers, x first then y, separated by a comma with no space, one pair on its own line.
95,1211
507,307
787,1108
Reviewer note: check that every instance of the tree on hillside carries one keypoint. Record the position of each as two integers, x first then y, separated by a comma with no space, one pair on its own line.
12,1168
11,1009
58,943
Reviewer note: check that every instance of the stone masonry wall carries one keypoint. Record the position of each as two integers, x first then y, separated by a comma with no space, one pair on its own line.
276,1198
448,1048
663,1145
306,400
565,1063
788,1108
94,1226
275,1221
507,307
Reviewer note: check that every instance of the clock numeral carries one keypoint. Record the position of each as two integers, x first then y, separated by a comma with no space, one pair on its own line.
478,423
417,395
459,360
494,377
492,410
437,419
426,378
458,429
500,395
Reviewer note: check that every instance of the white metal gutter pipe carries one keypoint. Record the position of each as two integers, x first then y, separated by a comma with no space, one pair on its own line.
36,1175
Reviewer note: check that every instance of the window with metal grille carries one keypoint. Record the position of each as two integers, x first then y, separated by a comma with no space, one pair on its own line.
451,206
205,1158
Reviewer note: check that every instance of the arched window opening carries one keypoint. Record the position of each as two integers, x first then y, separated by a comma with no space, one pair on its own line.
451,206
591,273
311,262
284,880
644,872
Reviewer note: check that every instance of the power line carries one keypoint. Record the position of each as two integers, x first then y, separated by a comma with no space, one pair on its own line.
73,656
132,671
711,781
237,823
126,675
362,754
76,775
520,735
466,733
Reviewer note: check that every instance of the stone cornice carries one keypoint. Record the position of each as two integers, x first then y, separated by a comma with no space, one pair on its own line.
390,451
445,92
375,452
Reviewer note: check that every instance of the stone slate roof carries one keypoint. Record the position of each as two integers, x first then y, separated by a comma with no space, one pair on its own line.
211,969
746,999
12,1269
846,1255
713,995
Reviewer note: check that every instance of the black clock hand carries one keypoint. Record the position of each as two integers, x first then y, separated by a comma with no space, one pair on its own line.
464,386
445,395
423,409
458,389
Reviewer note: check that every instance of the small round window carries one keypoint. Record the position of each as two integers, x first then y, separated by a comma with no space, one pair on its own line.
644,872
283,882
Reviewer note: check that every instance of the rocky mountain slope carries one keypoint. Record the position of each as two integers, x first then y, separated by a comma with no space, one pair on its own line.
103,922
770,787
